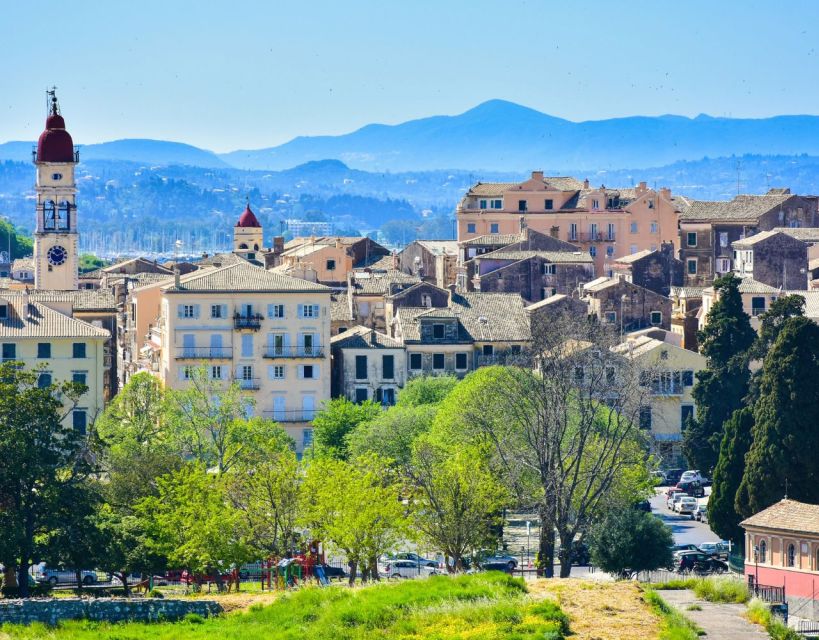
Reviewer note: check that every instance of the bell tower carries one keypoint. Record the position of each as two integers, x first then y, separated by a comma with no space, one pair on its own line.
56,251
248,235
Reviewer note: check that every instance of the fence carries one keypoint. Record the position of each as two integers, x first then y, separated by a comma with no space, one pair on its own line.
767,593
806,627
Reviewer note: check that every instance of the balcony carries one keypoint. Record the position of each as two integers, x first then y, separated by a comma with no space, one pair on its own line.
503,359
253,321
757,311
598,236
204,353
248,384
294,352
298,415
76,155
667,389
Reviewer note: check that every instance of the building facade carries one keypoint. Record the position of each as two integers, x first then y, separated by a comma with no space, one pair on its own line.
618,302
435,261
367,365
773,258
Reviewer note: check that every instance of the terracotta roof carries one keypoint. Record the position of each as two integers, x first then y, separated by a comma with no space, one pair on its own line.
558,297
686,292
743,207
755,239
570,257
81,300
221,260
381,282
440,247
24,264
119,265
39,321
340,308
491,188
364,338
493,239
749,285
245,278
248,219
786,515
634,257
805,234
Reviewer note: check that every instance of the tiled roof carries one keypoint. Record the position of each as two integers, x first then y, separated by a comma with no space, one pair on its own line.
563,183
749,285
813,264
221,260
558,297
805,234
119,265
571,257
786,515
42,322
381,282
23,264
491,188
340,308
81,300
686,292
482,317
440,247
742,207
140,279
493,239
244,278
364,338
634,257
754,239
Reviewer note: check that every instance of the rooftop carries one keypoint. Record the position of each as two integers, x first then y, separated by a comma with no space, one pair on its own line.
634,257
440,247
742,207
32,319
81,300
243,278
360,337
786,515
571,257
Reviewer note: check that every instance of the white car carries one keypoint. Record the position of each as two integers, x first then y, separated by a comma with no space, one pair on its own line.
407,569
676,498
692,475
686,504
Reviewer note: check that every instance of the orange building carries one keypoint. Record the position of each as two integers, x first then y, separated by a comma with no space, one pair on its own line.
608,223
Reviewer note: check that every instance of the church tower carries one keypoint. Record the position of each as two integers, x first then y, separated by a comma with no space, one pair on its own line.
247,235
56,251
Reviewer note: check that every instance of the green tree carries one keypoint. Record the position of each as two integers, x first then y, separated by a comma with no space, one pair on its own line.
772,321
782,458
458,500
426,390
192,524
722,512
391,434
337,420
720,389
629,541
42,461
21,244
89,262
355,507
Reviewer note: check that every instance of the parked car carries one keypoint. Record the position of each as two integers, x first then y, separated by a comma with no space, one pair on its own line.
407,569
672,476
686,504
692,475
498,562
679,548
62,575
408,555
199,578
676,498
174,575
692,488
669,495
700,513
716,549
643,505
699,562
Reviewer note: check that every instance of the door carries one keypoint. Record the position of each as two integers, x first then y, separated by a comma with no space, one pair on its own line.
216,345
278,408
308,407
189,345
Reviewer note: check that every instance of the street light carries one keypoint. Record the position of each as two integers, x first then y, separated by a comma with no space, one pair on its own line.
756,567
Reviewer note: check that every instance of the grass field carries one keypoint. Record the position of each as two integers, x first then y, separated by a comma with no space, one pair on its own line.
474,607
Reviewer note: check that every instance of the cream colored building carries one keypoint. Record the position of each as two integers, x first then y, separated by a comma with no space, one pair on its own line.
62,348
669,377
268,331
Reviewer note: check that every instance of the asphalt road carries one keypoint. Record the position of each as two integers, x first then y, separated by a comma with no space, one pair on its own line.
686,530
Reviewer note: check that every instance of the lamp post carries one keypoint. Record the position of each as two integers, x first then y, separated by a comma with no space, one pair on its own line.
756,568
623,298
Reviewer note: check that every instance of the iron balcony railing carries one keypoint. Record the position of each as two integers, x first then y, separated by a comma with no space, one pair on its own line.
251,384
252,321
204,353
290,416
34,155
587,236
316,351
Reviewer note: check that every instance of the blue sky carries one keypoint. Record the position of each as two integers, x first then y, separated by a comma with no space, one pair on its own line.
250,74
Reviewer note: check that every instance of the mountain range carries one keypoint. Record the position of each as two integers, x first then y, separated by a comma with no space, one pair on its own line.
493,136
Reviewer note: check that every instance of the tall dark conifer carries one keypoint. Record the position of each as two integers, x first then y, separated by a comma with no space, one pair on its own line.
722,514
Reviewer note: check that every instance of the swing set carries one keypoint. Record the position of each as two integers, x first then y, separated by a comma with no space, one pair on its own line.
290,573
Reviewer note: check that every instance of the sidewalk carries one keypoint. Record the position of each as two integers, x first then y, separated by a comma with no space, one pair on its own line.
719,621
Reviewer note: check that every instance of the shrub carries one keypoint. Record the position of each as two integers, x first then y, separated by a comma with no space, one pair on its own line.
721,590
549,610
193,618
675,626
155,593
760,613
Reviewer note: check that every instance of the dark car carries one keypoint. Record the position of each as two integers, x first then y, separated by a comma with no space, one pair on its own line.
498,562
699,562
334,572
672,476
692,488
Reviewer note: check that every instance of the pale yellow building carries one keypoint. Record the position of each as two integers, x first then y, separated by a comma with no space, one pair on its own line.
62,348
266,330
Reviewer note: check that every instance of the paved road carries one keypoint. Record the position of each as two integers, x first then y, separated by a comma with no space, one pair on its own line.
686,530
719,621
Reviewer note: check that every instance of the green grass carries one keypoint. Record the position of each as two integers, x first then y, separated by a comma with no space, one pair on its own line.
674,625
484,606
725,589
760,613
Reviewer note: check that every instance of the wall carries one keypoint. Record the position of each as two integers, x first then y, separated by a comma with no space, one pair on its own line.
344,371
636,308
51,611
526,277
781,261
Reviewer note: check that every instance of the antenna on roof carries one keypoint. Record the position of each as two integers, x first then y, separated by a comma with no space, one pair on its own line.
52,106
739,167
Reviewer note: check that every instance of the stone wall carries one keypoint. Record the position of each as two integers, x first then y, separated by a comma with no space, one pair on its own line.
51,610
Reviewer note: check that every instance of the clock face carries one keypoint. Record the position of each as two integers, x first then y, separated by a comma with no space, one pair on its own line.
57,255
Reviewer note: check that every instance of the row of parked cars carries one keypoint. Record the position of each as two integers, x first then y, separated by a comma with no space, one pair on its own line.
706,558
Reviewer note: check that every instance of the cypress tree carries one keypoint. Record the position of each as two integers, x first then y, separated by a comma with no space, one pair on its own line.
783,456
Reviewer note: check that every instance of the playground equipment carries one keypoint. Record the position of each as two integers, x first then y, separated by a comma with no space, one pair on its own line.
289,573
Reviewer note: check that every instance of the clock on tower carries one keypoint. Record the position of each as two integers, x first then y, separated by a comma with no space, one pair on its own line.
55,236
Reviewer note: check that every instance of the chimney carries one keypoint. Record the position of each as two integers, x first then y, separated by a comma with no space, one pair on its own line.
372,336
278,244
641,188
586,183
537,175
338,243
176,276
665,192
451,288
26,307
395,262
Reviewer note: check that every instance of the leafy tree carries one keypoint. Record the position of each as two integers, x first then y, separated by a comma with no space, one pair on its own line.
192,524
337,420
782,458
42,460
426,390
720,388
392,433
137,441
21,244
628,541
458,500
89,262
722,512
355,507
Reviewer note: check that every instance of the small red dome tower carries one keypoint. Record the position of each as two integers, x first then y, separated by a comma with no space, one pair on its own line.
55,143
248,218
248,234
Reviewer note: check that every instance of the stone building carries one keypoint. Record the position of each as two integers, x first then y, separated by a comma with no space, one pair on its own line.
624,304
434,261
773,258
367,365
656,270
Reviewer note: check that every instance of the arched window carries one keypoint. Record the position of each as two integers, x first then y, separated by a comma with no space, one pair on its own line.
255,247
243,246
49,221
426,300
791,555
763,551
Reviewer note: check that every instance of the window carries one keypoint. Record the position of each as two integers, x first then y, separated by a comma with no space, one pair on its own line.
470,227
361,394
275,344
186,373
388,367
488,350
387,396
188,311
686,414
79,420
78,350
80,377
43,349
656,318
416,362
438,331
216,372
723,265
426,300
549,269
44,379
763,551
278,372
460,361
610,231
306,439
308,343
651,204
633,228
482,204
246,372
688,378
438,361
593,231
331,265
493,228
573,231
609,251
275,311
655,228
549,205
595,204
216,311
791,560
757,305
309,311
645,417
497,204
692,266
691,238
247,345
361,367
611,317
521,205
593,251
308,371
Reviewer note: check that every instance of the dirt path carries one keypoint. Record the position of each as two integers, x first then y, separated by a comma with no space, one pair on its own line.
600,610
719,621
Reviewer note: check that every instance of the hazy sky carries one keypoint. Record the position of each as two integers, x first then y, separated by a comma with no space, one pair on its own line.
245,74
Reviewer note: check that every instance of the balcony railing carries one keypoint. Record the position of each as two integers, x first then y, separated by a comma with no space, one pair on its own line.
204,353
598,236
316,351
667,390
248,384
253,321
290,416
757,311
